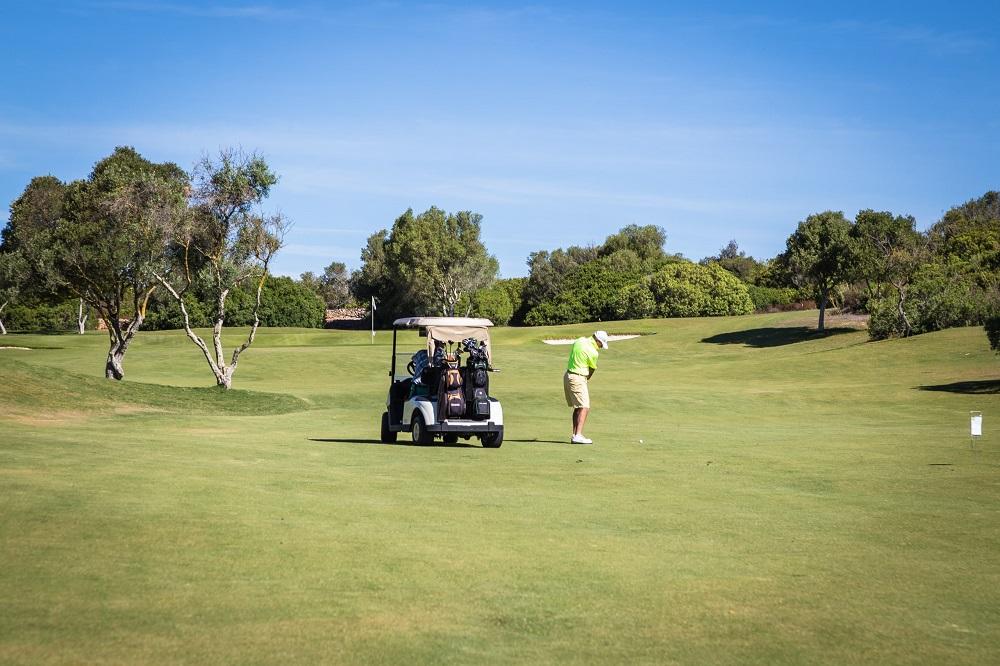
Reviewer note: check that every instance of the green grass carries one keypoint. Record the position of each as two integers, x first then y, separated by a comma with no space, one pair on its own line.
798,499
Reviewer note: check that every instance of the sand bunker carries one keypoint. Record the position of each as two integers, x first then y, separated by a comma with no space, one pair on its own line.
611,338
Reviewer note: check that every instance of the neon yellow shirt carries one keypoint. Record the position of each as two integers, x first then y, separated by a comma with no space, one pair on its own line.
583,356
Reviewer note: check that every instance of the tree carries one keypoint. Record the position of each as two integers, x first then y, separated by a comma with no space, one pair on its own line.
646,241
589,292
818,255
12,271
547,270
98,239
335,285
992,327
736,262
26,248
426,263
491,302
887,252
222,244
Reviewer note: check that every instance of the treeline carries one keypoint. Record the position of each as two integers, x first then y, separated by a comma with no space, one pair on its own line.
878,263
435,262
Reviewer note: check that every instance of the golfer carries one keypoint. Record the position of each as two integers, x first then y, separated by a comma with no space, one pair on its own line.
581,367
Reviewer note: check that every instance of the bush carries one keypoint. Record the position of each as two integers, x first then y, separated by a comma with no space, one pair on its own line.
283,302
44,317
772,298
589,293
492,303
941,296
165,314
685,290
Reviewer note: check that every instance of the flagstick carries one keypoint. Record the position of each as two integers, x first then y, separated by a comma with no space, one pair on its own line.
373,321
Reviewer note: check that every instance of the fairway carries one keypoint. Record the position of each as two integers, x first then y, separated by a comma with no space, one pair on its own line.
796,499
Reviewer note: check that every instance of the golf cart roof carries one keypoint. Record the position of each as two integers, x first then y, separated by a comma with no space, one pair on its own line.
449,330
421,322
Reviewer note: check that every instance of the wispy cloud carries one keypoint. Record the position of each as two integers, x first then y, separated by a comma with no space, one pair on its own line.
202,10
932,40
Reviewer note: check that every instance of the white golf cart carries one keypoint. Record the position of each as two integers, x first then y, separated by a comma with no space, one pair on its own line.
427,404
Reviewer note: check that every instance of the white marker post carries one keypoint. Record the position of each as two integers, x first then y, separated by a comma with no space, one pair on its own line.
373,320
975,426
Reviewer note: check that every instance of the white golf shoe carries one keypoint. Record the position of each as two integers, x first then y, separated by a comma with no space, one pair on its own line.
580,439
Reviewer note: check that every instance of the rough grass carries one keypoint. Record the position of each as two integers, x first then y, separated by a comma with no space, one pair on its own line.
797,499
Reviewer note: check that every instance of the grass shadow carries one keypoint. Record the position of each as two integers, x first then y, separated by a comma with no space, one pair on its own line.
437,444
982,387
774,336
539,441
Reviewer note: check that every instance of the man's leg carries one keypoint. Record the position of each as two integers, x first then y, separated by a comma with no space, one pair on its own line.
579,418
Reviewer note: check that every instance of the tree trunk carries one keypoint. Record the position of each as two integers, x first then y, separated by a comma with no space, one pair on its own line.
822,308
81,319
120,340
114,369
907,329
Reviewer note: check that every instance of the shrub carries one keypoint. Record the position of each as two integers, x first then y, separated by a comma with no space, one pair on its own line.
772,298
283,302
492,303
43,317
588,293
685,290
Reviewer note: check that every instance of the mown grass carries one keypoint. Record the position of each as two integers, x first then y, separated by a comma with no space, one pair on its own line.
797,499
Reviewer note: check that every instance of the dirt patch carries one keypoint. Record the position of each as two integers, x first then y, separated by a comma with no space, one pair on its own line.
137,409
56,418
832,320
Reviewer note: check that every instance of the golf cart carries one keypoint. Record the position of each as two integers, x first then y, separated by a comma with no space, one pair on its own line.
444,389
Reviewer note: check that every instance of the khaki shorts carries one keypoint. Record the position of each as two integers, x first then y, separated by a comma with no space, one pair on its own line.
577,394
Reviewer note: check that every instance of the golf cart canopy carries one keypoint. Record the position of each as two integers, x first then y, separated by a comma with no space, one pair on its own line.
449,329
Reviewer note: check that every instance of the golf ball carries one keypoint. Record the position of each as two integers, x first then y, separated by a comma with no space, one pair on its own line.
640,441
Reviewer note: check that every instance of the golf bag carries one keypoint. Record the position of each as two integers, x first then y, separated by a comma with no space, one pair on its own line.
477,379
451,397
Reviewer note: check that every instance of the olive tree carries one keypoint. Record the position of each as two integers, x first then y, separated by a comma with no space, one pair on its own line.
819,255
98,239
220,244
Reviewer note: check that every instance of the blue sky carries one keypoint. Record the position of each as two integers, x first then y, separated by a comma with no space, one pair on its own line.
559,122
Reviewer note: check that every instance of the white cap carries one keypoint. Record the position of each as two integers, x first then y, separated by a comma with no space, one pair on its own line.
602,337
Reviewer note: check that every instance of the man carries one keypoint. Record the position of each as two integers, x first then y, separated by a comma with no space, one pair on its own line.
581,367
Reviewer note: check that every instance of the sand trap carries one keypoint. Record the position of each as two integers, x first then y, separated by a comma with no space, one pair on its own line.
21,348
569,341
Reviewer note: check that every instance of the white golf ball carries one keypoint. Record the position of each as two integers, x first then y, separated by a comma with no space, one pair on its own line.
640,441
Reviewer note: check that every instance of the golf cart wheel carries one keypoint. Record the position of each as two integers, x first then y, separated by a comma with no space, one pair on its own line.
388,436
492,440
420,433
450,438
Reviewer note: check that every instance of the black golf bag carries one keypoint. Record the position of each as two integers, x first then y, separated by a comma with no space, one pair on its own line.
451,397
477,380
